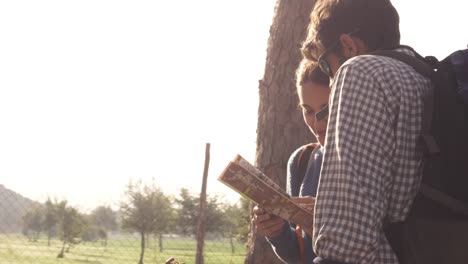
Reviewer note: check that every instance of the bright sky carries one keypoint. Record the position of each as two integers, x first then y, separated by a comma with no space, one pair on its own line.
93,93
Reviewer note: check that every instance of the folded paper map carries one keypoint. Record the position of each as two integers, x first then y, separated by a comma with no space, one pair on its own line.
253,184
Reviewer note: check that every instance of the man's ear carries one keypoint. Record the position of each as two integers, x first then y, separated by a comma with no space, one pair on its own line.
349,46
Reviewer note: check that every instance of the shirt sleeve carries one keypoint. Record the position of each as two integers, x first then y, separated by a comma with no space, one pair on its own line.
351,197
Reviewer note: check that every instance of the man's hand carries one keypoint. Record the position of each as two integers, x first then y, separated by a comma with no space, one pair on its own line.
308,203
267,224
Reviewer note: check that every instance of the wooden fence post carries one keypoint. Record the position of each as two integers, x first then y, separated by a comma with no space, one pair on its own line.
202,215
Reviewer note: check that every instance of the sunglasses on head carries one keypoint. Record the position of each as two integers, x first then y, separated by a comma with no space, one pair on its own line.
322,60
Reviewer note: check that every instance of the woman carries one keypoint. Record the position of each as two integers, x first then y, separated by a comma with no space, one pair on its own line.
291,243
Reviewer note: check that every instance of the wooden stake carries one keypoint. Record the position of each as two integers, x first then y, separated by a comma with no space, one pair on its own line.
202,215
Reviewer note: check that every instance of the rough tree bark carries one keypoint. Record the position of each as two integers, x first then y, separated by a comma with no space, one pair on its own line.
280,126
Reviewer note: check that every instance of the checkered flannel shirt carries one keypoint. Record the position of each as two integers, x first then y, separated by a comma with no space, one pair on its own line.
372,163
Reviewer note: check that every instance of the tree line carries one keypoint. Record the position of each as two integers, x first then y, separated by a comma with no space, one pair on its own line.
144,210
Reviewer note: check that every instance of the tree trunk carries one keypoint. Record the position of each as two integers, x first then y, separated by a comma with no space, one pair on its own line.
61,253
142,254
160,243
281,128
231,241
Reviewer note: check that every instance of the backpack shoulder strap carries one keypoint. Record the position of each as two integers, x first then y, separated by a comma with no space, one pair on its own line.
300,241
417,61
448,201
419,65
302,163
303,160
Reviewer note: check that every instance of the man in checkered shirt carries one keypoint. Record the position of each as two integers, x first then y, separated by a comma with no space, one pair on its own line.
372,163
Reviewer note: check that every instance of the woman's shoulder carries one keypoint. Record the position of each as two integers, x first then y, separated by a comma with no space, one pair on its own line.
300,151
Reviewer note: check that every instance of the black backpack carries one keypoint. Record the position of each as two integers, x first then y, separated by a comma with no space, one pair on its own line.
436,229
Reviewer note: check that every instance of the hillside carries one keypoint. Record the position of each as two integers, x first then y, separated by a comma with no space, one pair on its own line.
12,208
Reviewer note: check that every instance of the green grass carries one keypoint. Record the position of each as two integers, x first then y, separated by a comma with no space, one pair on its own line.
16,249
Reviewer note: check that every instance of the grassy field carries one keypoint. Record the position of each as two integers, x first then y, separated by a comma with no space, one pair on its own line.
16,249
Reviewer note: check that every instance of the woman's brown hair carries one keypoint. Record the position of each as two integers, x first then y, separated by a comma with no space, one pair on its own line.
308,71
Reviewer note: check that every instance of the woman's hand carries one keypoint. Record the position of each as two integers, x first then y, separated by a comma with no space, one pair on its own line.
308,203
268,225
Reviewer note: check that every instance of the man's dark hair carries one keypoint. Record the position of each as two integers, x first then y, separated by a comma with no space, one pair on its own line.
375,22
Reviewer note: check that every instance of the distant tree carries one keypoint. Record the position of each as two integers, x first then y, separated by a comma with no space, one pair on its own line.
230,224
163,218
103,236
214,215
13,207
186,212
71,225
236,222
90,233
170,223
102,220
32,223
50,219
145,209
244,220
104,216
